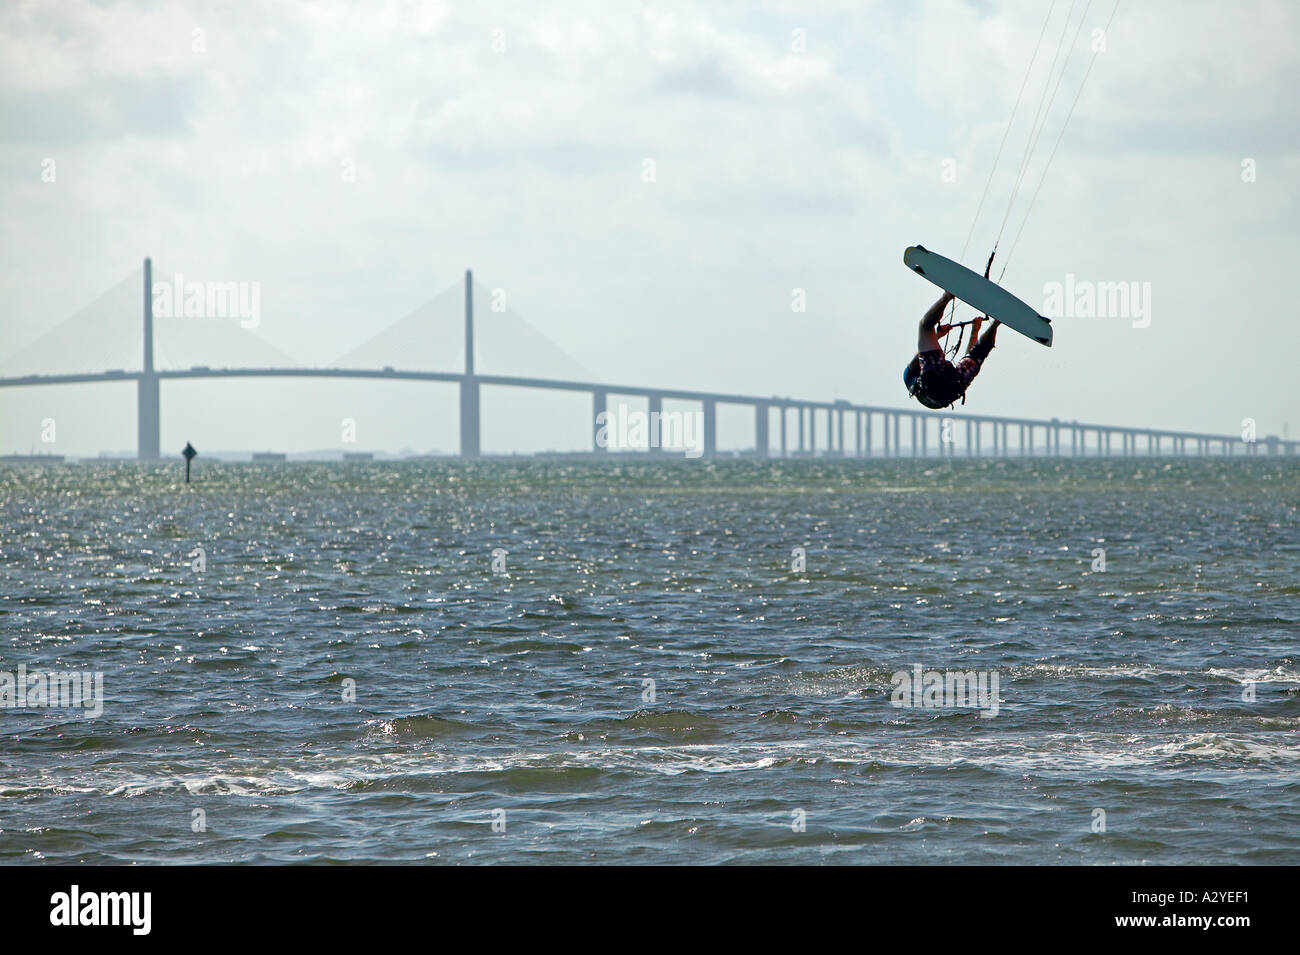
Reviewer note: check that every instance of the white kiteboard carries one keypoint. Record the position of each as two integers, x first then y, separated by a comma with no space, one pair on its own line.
979,293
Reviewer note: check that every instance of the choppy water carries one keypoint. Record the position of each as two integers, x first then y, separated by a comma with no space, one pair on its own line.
1124,690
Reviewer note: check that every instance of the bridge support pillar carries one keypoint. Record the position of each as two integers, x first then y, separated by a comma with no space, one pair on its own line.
148,404
469,410
147,418
655,405
469,417
599,407
761,440
710,427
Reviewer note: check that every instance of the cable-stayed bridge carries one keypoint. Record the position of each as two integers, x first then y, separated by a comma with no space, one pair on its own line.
846,428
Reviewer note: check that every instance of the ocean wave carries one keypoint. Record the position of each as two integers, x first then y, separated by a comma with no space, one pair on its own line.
1096,753
1136,671
421,727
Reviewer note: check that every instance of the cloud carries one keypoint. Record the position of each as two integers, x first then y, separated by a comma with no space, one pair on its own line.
107,109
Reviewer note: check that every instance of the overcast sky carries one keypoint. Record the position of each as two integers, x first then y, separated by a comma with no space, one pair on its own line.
355,159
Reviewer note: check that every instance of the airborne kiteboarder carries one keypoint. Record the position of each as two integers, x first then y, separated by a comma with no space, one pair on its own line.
930,377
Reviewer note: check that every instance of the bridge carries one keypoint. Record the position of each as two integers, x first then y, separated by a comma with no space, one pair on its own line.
874,430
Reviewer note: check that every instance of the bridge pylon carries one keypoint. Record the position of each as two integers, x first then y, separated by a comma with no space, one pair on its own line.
148,401
469,385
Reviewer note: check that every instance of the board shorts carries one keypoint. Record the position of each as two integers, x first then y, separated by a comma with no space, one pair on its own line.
941,383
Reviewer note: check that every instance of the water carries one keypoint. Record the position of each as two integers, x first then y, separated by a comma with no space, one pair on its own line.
227,691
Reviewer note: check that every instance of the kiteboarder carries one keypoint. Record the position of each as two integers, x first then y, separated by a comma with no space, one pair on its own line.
930,377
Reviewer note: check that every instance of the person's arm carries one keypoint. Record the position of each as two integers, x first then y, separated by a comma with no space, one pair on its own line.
931,319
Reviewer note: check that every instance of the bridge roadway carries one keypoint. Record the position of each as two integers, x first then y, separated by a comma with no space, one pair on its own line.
835,411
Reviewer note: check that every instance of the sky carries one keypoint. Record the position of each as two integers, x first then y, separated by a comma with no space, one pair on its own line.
692,195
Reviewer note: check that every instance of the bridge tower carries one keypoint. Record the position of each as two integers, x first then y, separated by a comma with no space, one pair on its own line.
147,401
469,408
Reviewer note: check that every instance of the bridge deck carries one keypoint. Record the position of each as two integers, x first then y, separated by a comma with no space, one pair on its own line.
612,388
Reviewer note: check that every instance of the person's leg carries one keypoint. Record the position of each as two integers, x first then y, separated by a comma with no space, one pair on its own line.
979,349
926,339
970,366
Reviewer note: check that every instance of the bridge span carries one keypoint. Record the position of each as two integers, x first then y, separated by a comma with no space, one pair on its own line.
875,430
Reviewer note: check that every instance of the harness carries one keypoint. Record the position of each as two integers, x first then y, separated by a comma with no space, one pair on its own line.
918,392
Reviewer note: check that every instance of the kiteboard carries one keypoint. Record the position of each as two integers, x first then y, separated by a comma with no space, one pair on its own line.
979,293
